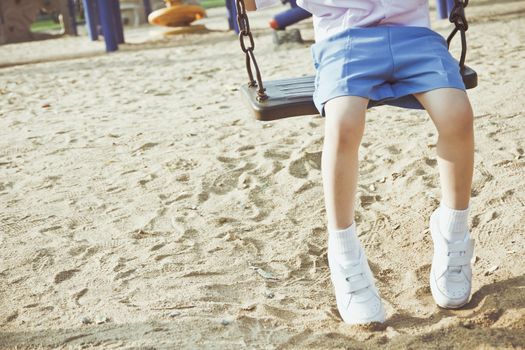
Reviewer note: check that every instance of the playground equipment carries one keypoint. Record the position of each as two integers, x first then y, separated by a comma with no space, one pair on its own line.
286,18
278,23
277,99
105,13
176,14
444,7
291,16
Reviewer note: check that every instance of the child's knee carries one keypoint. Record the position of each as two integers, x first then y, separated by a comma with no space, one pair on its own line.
344,131
459,122
345,121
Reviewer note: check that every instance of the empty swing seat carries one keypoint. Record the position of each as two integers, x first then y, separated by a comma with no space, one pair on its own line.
293,97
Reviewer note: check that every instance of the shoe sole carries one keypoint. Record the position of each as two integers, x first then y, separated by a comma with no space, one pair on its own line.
442,300
377,318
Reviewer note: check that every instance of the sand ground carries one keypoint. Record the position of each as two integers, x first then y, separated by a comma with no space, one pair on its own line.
142,207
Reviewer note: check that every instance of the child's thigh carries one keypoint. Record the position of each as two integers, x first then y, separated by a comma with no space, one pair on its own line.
449,108
345,112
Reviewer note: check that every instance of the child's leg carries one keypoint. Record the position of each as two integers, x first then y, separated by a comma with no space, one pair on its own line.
357,298
451,273
344,127
452,114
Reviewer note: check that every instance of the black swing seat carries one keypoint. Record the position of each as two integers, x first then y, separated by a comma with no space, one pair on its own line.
293,97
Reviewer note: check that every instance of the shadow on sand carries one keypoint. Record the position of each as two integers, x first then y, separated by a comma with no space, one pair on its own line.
475,321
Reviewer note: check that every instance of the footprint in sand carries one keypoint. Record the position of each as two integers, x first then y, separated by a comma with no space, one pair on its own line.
366,200
484,218
181,164
222,293
64,275
422,274
393,150
79,294
42,259
275,154
226,181
507,198
301,167
486,319
481,178
258,206
124,274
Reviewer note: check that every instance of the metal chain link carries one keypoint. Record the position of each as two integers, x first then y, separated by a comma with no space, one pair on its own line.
457,16
245,32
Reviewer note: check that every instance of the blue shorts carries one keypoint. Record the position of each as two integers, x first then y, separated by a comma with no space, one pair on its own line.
383,63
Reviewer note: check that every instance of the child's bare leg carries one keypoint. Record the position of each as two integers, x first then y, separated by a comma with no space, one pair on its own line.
344,127
357,298
452,114
451,273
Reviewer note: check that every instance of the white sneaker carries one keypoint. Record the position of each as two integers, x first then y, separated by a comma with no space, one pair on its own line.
451,273
357,298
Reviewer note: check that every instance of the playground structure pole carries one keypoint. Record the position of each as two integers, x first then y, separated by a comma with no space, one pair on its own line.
147,7
91,19
232,15
107,20
117,16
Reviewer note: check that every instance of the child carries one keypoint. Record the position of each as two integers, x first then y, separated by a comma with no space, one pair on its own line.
383,49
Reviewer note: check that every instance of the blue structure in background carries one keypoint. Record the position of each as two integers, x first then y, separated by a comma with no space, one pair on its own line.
147,7
231,8
444,7
117,18
290,16
106,13
90,14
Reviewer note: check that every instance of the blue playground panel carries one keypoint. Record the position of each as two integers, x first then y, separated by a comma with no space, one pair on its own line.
290,16
444,7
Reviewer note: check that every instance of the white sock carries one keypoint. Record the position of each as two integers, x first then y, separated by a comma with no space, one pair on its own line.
344,244
453,223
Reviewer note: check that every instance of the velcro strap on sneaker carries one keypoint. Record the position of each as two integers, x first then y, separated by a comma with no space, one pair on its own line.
358,284
460,253
458,261
355,270
458,247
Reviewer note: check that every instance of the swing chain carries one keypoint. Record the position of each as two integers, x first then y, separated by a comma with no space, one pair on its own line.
457,16
244,31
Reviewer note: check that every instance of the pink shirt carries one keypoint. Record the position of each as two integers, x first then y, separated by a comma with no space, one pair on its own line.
333,16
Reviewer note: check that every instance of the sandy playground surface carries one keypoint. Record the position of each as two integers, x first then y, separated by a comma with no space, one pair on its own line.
142,207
